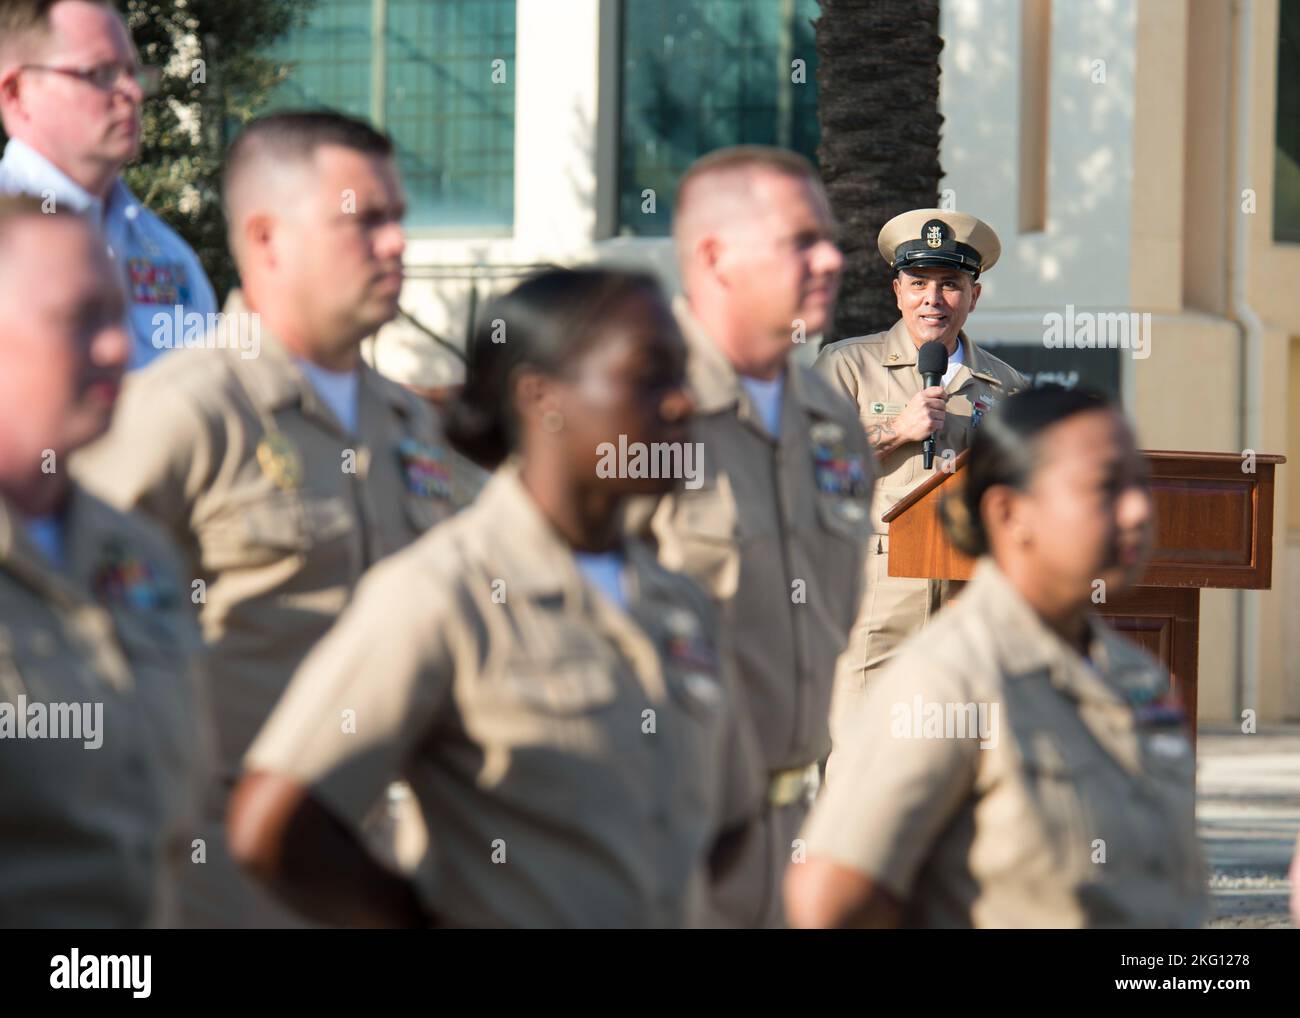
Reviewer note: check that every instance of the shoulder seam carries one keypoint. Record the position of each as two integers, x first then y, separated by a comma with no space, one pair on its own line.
872,339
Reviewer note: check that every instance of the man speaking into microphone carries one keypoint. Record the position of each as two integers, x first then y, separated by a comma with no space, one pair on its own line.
921,389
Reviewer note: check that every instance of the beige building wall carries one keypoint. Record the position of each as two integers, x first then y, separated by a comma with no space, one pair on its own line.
1158,115
1203,203
1270,274
1080,253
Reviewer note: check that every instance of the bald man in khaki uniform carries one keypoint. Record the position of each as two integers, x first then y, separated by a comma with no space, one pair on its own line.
575,761
103,745
1066,799
279,501
778,527
937,257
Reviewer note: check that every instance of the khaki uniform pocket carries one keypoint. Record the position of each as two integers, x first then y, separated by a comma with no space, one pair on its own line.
698,534
1061,785
564,687
281,523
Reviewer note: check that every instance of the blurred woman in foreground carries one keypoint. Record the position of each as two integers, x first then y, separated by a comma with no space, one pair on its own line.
1019,764
555,698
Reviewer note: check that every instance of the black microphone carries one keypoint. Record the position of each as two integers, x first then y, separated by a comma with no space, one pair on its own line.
932,362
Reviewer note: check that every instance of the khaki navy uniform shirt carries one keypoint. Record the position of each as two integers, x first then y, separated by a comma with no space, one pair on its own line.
993,777
777,532
573,762
277,510
103,749
879,374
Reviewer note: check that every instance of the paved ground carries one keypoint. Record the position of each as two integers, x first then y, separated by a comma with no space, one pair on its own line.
1248,813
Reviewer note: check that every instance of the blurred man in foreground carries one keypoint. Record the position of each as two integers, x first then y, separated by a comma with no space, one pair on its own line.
100,729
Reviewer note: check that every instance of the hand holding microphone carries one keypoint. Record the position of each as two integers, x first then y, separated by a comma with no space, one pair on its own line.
925,412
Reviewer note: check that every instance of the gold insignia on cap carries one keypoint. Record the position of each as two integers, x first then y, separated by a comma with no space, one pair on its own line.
919,232
280,461
893,356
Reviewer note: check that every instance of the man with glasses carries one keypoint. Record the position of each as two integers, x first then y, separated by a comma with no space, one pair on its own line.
70,95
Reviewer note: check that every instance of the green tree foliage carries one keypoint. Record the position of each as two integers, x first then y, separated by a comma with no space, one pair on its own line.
217,77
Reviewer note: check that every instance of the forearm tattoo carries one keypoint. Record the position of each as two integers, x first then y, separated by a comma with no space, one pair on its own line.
882,433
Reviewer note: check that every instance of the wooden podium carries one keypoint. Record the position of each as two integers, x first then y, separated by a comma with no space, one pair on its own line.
1213,528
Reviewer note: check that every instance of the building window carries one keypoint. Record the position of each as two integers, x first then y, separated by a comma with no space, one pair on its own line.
1286,174
702,74
440,78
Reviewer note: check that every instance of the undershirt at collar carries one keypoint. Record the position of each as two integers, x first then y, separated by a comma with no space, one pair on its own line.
954,362
766,397
604,571
338,390
46,532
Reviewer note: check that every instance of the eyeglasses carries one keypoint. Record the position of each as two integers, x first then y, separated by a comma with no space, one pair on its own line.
108,77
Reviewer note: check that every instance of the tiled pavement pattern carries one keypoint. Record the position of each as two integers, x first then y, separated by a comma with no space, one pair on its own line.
1248,814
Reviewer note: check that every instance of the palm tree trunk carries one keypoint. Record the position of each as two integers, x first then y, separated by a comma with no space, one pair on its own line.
878,87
